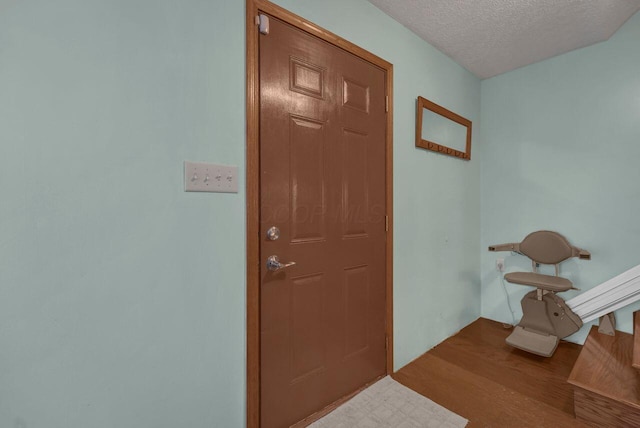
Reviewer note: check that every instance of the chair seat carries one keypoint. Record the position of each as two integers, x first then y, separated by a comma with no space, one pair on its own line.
538,280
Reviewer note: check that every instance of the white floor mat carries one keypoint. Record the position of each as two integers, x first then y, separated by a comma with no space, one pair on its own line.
387,403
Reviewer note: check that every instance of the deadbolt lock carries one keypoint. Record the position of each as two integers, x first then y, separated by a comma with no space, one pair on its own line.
273,233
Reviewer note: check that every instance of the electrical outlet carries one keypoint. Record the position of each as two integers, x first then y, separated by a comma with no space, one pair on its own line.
500,265
209,177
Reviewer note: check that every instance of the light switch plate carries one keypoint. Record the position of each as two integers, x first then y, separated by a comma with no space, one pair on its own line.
209,177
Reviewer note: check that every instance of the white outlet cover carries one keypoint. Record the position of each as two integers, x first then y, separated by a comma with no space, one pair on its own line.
210,177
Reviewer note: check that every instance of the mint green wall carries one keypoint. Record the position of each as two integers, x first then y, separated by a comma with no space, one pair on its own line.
561,145
122,297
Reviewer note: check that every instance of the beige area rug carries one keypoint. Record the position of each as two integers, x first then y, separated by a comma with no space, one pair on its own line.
388,403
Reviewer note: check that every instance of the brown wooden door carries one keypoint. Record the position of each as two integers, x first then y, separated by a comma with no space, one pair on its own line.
322,184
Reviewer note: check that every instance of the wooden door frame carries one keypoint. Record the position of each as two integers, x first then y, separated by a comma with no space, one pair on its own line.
254,7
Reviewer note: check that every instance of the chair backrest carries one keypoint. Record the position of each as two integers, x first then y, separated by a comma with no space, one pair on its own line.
546,247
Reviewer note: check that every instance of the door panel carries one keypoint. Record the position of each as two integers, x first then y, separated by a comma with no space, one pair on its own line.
307,179
322,184
355,191
356,286
307,341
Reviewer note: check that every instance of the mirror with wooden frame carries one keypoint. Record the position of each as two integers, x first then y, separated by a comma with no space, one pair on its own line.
442,130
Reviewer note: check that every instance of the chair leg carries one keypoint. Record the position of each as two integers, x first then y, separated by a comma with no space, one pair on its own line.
535,316
608,324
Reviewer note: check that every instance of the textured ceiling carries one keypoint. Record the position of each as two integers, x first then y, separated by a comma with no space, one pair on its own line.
490,37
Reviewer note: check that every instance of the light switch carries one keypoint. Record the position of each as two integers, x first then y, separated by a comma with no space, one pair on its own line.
209,177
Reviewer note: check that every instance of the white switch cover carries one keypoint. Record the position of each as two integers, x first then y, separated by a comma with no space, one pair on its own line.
209,177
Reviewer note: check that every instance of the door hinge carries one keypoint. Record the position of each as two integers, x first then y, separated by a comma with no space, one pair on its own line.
386,223
262,21
386,103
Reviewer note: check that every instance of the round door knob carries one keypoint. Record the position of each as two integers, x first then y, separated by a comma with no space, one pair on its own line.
273,233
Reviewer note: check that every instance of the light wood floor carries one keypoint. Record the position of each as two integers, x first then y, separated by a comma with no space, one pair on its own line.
478,376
